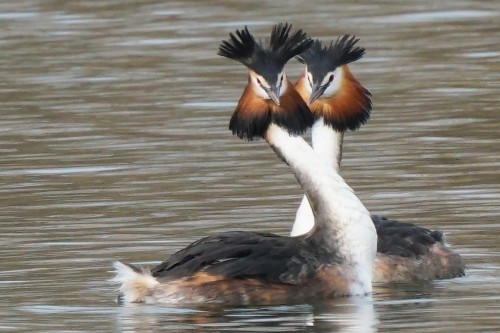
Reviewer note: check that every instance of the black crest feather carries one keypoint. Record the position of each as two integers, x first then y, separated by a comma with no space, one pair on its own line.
241,47
285,46
265,58
323,59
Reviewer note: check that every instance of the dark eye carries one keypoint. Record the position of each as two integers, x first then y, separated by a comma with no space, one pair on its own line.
258,81
281,80
330,79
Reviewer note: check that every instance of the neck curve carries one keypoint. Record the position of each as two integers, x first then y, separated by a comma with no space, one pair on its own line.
327,143
343,224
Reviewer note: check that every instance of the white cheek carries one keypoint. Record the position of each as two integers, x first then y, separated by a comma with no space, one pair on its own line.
334,87
308,87
259,91
307,80
283,87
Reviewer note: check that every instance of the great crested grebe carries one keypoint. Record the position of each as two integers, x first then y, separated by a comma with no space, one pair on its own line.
405,252
334,259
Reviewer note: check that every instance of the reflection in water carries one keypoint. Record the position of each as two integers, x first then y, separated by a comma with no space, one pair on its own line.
344,315
114,145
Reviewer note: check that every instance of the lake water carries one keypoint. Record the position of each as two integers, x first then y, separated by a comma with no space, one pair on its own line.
114,145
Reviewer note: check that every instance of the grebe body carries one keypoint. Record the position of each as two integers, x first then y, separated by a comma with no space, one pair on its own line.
405,252
334,259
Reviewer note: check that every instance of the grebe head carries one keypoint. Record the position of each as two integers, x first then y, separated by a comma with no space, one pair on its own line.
268,96
333,92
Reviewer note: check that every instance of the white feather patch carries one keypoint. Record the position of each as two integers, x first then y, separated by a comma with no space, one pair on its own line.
134,286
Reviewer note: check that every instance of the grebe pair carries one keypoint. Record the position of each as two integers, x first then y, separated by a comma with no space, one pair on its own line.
405,252
333,259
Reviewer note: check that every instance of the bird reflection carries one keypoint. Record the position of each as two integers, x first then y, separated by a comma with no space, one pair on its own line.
355,314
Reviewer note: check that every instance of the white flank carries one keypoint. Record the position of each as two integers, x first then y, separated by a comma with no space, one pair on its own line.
304,219
134,286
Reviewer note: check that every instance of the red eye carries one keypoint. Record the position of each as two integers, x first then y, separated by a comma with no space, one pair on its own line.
330,79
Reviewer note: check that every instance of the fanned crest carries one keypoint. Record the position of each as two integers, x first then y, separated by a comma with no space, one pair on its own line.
241,47
322,59
270,58
254,113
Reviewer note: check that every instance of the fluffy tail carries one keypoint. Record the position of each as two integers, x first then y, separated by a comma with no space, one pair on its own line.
135,285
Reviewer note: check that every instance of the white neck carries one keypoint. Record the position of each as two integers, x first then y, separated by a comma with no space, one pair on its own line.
327,143
343,224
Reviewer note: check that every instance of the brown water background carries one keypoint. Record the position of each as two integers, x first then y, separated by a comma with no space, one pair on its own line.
114,145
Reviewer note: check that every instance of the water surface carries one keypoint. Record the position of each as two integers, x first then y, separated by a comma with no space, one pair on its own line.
114,145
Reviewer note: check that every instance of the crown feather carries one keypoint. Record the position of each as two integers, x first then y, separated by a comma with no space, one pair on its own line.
286,47
343,52
347,50
240,47
282,46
